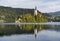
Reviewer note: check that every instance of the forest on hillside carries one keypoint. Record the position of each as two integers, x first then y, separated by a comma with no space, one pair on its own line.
8,14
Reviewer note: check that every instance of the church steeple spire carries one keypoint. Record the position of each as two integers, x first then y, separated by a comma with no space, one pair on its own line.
35,11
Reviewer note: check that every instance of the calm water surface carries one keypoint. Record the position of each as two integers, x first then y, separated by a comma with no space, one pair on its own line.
50,33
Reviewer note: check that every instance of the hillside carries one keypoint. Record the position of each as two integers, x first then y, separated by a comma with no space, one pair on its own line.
57,13
8,14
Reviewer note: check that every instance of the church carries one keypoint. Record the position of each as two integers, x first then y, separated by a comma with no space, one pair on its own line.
35,11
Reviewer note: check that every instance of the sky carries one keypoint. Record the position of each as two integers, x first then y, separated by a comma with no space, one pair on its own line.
42,5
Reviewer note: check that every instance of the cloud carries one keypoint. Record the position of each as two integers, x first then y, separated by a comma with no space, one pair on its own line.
43,5
50,6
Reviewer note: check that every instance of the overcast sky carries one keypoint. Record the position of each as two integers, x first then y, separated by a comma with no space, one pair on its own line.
42,5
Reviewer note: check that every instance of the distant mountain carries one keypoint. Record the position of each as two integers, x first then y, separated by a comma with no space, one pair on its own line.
57,13
46,14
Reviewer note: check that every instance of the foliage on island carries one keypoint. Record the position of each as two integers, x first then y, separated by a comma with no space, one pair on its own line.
32,18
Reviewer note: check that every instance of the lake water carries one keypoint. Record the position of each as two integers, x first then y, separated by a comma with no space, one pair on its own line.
30,32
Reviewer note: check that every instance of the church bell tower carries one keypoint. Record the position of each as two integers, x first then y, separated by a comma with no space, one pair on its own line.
35,11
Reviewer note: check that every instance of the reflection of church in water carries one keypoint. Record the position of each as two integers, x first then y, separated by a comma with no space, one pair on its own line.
35,31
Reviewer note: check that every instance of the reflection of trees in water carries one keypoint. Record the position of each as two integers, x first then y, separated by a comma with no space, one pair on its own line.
16,29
